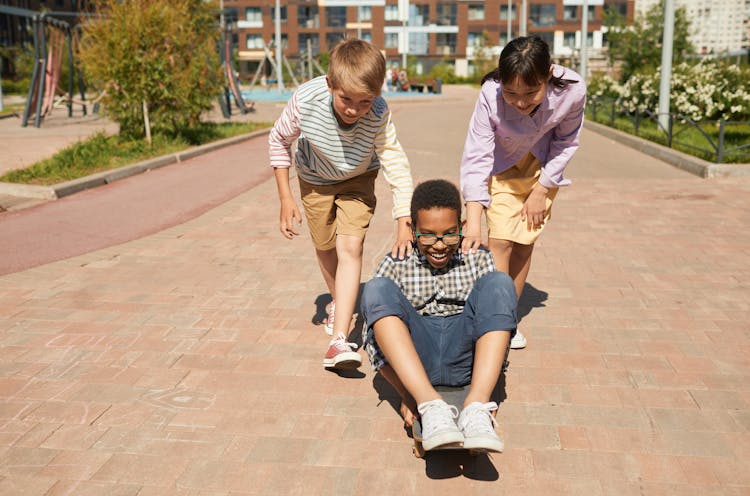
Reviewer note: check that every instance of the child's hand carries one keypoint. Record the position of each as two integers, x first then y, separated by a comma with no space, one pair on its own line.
289,219
534,209
404,240
408,414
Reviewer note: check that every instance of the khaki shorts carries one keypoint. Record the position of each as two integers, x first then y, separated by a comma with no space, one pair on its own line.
343,208
509,190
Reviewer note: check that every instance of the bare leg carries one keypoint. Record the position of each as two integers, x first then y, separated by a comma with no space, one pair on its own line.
328,261
347,278
408,405
514,259
395,342
489,355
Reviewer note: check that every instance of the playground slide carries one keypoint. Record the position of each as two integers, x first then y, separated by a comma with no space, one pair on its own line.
245,107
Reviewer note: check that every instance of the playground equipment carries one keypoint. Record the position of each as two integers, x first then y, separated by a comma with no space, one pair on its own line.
230,77
52,35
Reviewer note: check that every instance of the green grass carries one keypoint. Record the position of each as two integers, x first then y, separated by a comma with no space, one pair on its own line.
101,152
686,137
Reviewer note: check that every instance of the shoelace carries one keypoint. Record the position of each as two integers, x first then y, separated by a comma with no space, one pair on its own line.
444,421
473,421
341,344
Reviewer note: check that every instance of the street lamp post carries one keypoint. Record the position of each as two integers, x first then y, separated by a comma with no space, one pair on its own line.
277,29
508,27
522,19
584,38
403,14
666,64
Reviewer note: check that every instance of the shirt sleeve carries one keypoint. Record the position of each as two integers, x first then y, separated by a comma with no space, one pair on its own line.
386,268
485,263
284,132
395,166
565,140
478,155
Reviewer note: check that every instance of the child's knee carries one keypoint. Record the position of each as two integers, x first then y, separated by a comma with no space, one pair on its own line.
377,290
499,283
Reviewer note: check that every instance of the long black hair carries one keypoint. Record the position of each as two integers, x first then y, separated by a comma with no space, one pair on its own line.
528,58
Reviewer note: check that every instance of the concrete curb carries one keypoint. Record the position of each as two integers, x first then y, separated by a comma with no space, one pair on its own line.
688,163
66,188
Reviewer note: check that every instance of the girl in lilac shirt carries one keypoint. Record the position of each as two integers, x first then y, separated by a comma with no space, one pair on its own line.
522,134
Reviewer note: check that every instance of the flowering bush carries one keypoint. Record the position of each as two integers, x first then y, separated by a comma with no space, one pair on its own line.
708,90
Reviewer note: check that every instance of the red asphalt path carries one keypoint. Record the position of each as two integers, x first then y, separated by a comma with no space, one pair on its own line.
130,208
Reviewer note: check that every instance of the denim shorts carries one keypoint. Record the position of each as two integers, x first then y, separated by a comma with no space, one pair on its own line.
445,344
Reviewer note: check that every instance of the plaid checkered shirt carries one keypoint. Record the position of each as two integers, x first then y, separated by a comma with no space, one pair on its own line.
432,291
437,291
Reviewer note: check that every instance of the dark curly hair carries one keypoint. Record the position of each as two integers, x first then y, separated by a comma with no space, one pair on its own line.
435,193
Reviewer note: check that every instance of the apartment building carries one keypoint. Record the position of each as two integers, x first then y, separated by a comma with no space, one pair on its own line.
428,31
717,26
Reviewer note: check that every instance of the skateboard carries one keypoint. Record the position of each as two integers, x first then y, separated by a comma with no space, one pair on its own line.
452,396
455,395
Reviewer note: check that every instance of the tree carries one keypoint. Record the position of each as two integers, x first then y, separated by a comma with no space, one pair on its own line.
157,60
638,46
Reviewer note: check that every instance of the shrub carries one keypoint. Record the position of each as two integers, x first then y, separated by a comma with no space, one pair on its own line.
155,59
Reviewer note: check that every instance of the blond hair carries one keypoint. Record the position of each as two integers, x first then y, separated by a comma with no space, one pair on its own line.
356,66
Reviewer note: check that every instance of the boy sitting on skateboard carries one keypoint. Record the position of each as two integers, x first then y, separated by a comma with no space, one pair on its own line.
441,318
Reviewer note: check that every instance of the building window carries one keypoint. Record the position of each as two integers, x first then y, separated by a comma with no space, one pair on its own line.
314,42
569,40
548,37
308,17
391,40
446,43
367,36
504,12
419,43
570,12
419,15
476,12
446,14
474,40
336,17
618,8
332,39
391,13
254,42
282,11
364,14
542,15
253,14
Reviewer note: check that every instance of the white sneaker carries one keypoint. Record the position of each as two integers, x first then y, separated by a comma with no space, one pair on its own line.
328,327
518,341
439,424
478,427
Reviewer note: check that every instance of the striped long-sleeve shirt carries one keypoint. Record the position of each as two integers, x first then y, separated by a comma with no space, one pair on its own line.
327,153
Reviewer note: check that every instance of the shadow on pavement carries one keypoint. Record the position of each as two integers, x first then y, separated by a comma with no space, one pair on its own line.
531,297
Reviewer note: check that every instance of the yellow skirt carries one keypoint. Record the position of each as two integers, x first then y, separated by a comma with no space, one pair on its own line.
509,190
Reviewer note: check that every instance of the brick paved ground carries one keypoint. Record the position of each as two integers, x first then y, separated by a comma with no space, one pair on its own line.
186,362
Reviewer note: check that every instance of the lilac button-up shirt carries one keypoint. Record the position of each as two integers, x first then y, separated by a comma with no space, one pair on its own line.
499,136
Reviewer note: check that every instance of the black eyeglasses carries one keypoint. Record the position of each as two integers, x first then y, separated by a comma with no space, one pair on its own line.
429,239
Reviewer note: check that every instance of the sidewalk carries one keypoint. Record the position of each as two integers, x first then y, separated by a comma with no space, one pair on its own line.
186,362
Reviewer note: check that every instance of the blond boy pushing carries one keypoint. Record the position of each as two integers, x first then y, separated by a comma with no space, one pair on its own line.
344,136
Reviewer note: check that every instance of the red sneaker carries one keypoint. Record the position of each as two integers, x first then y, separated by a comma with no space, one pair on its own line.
341,354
